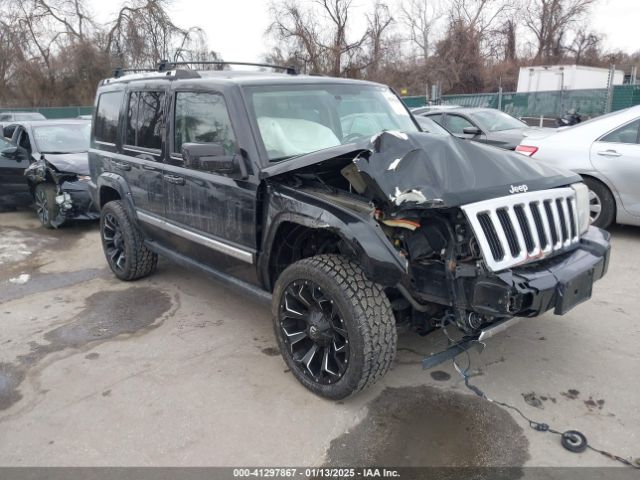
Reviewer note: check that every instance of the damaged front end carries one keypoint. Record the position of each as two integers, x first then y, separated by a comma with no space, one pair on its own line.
486,236
67,177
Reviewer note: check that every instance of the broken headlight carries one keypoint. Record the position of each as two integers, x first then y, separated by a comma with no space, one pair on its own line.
582,205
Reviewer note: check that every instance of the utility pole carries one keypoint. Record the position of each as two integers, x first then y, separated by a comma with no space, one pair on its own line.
612,71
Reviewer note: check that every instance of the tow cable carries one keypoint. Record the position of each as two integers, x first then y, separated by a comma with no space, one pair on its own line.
572,440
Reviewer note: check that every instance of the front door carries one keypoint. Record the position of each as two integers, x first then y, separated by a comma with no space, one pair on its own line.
12,168
212,216
617,156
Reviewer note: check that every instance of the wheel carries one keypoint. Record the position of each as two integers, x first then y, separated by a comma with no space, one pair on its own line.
601,203
123,245
45,201
335,328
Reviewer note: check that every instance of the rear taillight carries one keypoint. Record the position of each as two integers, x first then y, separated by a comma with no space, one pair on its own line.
526,150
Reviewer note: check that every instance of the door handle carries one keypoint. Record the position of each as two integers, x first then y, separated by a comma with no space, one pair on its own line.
175,179
150,167
121,165
609,153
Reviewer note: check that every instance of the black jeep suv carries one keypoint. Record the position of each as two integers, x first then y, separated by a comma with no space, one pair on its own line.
323,195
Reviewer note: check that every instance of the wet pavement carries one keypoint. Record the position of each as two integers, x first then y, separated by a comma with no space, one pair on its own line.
176,369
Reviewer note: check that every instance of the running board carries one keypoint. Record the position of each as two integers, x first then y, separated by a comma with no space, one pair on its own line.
467,342
235,283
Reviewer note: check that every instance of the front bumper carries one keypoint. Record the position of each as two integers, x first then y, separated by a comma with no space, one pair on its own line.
559,283
79,204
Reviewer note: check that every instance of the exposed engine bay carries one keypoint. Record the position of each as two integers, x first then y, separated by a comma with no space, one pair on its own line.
416,187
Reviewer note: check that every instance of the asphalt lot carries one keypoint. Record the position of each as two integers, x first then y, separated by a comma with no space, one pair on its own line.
176,369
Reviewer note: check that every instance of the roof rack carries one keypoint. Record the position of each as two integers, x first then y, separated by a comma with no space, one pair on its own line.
119,71
165,65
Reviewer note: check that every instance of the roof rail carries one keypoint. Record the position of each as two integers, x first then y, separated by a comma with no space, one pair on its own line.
119,71
165,65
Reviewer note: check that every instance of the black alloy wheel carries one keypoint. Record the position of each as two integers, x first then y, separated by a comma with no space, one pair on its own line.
335,328
113,241
314,332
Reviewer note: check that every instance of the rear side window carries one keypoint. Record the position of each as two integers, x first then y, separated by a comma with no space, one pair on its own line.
106,124
202,117
626,134
145,119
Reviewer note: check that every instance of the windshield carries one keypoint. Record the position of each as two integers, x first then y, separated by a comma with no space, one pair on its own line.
298,119
496,121
29,116
69,138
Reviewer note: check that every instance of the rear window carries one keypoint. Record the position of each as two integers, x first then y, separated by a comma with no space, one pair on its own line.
106,124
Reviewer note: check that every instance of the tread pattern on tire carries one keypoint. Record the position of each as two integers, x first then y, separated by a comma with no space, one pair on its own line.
374,314
144,261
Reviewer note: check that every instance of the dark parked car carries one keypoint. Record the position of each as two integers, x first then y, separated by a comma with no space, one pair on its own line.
485,125
322,195
49,159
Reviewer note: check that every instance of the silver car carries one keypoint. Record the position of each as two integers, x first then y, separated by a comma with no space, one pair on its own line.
606,152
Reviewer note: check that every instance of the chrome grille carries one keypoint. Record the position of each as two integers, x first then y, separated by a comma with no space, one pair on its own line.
524,227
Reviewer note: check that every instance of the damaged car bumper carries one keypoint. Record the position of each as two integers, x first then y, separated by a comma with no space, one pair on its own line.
557,284
75,201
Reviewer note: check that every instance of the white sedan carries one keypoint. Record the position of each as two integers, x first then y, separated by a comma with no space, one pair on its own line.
606,152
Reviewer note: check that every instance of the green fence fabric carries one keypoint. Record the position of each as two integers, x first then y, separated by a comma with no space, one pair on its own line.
54,112
625,96
589,103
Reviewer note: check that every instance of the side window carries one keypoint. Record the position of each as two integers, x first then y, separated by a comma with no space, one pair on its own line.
145,120
8,131
457,124
202,117
106,123
626,134
437,118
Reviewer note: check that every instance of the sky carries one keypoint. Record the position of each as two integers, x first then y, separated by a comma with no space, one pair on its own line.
235,28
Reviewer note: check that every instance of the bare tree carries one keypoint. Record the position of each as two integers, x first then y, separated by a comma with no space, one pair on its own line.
317,35
420,17
550,21
378,22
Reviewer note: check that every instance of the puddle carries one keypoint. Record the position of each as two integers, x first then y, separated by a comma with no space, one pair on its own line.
425,426
105,316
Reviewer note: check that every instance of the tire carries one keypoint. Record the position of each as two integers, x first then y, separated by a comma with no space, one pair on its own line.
47,209
343,305
123,246
600,195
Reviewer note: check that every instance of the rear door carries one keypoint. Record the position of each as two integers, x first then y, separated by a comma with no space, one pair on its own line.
143,148
212,217
617,156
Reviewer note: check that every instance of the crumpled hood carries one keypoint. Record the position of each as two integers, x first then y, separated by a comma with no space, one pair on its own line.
417,170
69,162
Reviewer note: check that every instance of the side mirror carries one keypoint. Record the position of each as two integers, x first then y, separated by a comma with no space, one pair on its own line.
14,153
471,131
211,157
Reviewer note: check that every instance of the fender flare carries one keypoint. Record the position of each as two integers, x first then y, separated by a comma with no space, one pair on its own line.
119,184
363,237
